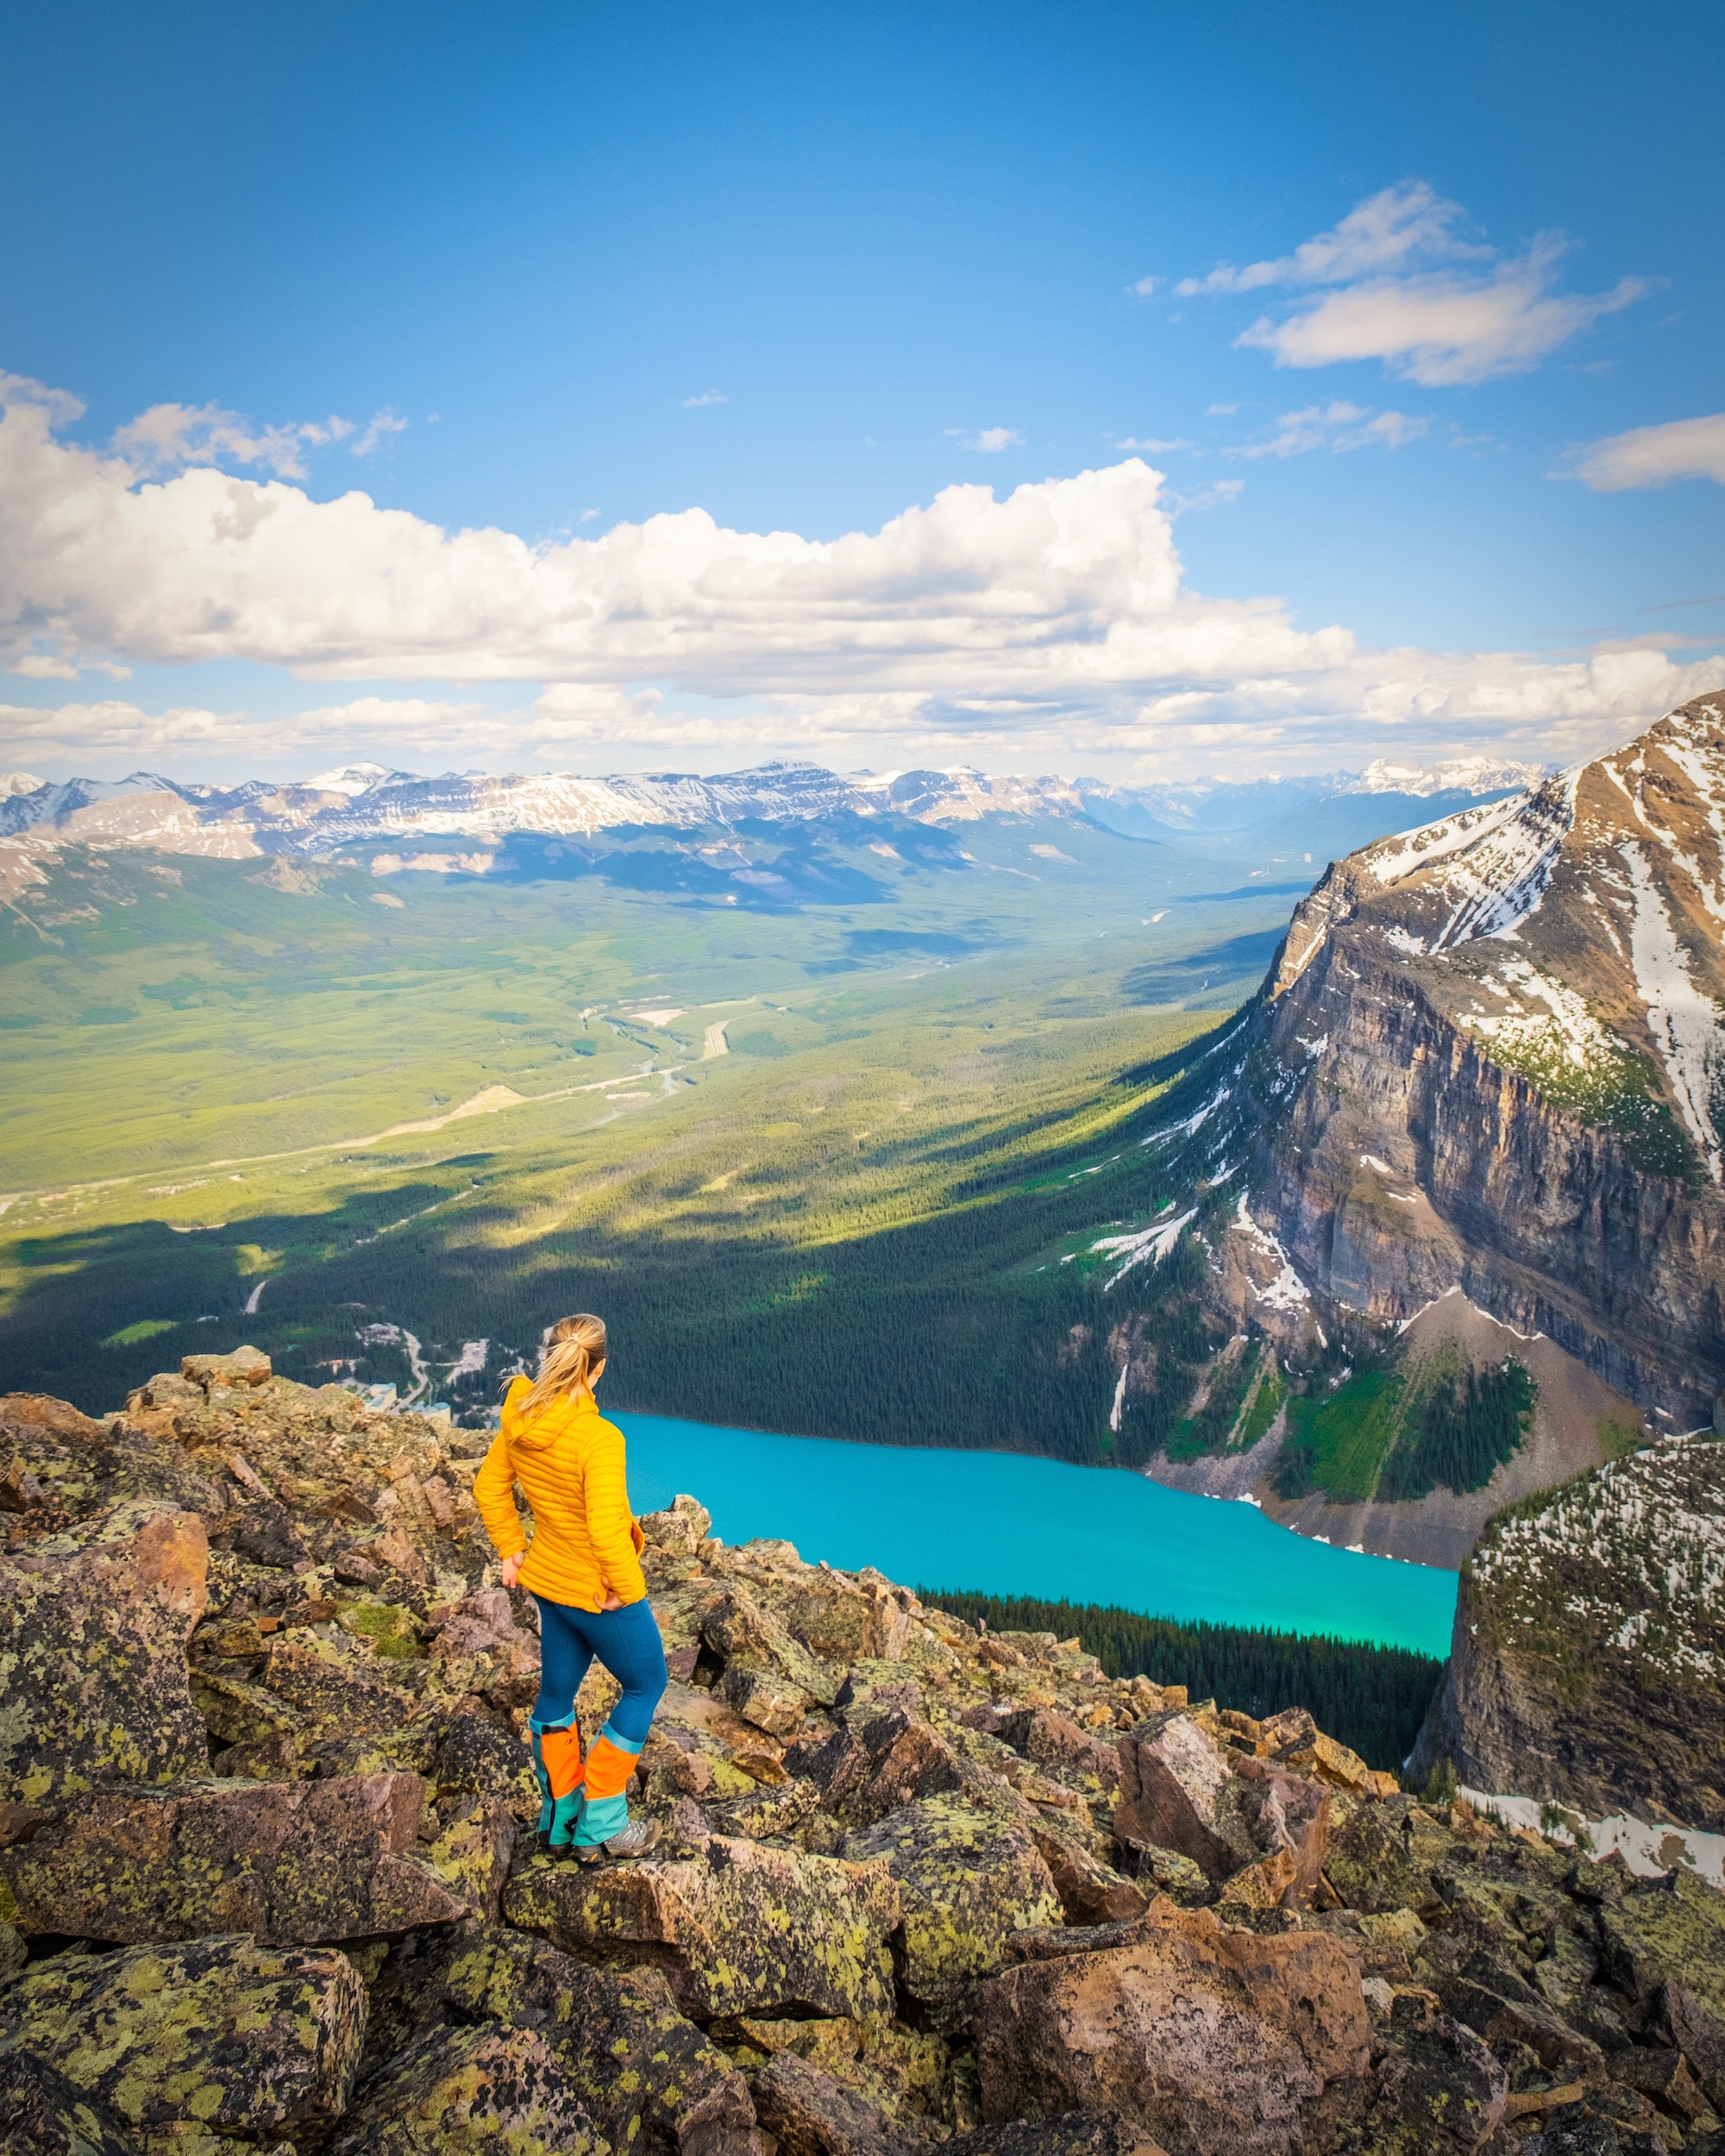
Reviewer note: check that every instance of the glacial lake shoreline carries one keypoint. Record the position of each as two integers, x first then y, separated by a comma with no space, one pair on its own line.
1013,1523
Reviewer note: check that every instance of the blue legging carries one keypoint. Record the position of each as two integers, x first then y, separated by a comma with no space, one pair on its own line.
582,1804
626,1641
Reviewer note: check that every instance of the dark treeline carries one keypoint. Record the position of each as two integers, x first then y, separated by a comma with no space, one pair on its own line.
1373,1698
1468,1424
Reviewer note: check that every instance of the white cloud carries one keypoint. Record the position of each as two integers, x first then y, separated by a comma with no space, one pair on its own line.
1145,287
1440,327
382,423
1220,411
1051,622
706,397
1382,233
1652,456
1336,427
1444,331
168,437
1150,445
990,440
1217,496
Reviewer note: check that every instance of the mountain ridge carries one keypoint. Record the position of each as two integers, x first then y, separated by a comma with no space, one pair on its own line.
368,801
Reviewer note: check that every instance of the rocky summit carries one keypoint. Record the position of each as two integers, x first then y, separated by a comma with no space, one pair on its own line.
269,1882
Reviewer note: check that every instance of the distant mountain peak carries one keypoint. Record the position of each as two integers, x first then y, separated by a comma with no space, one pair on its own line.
1454,775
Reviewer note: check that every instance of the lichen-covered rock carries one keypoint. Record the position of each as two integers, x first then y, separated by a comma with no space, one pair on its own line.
1667,1930
1073,2134
967,1879
1216,2039
910,2076
883,1755
1381,1856
56,1466
808,2113
220,2032
646,2076
488,2088
41,2114
1440,2090
93,1626
739,1927
471,1850
291,1863
1176,1792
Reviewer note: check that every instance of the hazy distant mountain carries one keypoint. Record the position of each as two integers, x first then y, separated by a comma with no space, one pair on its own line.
366,802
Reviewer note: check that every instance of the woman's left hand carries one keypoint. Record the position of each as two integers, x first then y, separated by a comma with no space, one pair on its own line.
512,1570
611,1601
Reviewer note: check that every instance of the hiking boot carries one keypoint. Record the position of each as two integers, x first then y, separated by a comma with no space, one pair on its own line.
636,1840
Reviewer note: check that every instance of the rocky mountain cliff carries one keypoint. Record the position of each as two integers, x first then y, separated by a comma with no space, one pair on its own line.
1588,1662
267,1882
1489,1062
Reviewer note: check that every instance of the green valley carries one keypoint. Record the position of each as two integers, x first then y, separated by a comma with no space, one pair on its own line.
817,1151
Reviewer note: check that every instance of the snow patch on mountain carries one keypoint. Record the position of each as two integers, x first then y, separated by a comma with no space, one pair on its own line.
1682,1020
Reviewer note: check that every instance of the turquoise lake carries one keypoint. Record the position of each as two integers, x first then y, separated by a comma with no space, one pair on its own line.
1008,1525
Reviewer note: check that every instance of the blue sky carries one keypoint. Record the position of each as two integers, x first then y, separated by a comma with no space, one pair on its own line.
557,270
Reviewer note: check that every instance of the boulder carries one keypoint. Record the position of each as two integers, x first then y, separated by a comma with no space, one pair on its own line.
647,2078
1667,1930
293,1864
809,2114
739,1927
1176,1792
472,1851
1438,2089
1074,2134
907,2075
93,1627
461,2089
41,2114
1180,1791
219,2032
477,1757
245,1366
883,1755
1217,2040
56,1466
968,1879
1380,1858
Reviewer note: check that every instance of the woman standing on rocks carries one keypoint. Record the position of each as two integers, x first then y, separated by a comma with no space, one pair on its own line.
584,1571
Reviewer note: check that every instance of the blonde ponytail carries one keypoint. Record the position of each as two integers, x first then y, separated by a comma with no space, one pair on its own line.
575,1348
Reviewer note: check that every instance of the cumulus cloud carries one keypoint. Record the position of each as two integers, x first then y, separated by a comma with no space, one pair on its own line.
1052,620
1438,326
1653,456
1337,427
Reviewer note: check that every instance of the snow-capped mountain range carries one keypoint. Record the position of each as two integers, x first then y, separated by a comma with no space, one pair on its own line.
363,801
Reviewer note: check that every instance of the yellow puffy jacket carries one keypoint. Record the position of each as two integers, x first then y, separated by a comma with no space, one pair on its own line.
569,1461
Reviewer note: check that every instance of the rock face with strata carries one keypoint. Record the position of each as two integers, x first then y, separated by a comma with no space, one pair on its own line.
1492,1056
1589,1660
919,1885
